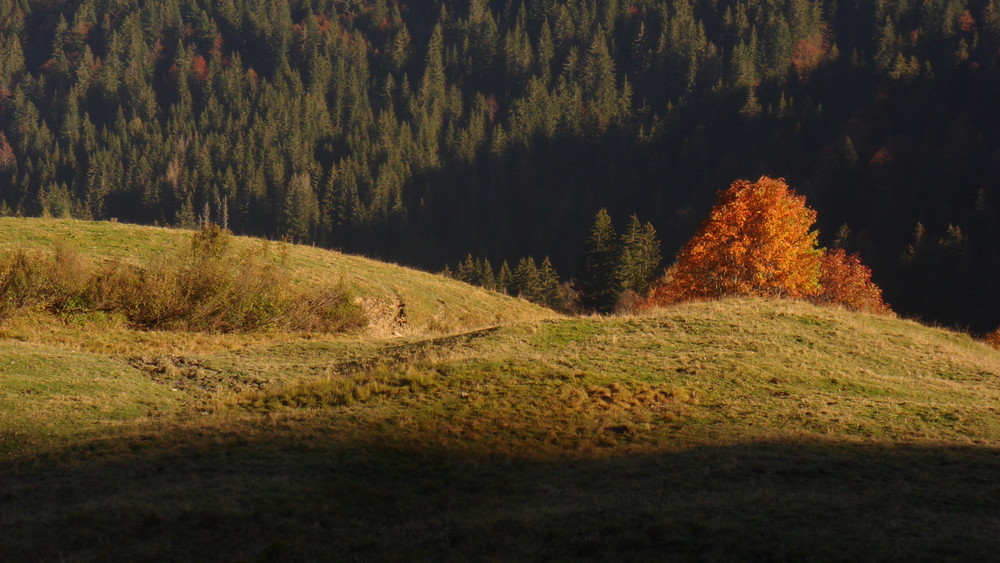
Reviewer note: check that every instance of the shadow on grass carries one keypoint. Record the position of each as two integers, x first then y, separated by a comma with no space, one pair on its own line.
244,498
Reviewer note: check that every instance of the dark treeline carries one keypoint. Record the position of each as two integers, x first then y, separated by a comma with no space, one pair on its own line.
615,274
424,131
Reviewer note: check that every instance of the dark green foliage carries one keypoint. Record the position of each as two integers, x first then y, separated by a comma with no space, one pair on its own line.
640,257
548,284
505,278
486,277
467,271
599,279
476,272
925,261
529,280
536,283
421,131
527,283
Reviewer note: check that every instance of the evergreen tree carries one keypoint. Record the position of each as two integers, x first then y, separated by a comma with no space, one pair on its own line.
640,257
486,277
505,279
300,213
599,278
548,284
468,270
527,283
400,49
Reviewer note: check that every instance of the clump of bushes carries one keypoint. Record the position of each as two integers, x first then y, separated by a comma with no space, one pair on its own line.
993,339
208,286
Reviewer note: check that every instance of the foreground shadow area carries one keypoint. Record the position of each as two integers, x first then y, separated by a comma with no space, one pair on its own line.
246,499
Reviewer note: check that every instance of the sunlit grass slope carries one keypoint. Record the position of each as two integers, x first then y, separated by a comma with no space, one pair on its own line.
734,430
728,371
429,303
46,392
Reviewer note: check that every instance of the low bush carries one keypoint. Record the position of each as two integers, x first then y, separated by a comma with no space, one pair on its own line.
208,286
993,339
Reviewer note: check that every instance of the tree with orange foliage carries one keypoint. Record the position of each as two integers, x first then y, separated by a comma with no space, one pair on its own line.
809,52
757,241
199,68
846,281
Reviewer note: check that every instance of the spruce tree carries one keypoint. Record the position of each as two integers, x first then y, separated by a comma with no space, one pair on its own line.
300,212
505,279
599,281
526,281
640,256
487,278
467,271
548,284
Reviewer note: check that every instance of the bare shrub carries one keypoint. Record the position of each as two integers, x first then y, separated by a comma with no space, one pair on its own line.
629,302
22,281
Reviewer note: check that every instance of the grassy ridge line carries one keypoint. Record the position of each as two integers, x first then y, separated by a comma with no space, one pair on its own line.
431,303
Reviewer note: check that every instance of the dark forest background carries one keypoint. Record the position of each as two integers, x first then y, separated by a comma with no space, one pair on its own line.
424,131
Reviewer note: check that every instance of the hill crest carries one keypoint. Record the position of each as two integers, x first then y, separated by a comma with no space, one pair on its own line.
398,300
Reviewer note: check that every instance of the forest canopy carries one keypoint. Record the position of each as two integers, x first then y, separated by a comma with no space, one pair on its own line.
426,131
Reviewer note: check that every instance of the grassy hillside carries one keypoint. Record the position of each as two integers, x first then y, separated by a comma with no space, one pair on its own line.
431,304
740,429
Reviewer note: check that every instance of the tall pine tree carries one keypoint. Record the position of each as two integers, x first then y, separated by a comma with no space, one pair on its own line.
640,257
599,280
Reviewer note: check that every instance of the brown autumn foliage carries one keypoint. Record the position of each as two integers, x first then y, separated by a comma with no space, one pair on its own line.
806,55
882,156
993,339
7,158
846,281
966,22
809,52
756,241
199,68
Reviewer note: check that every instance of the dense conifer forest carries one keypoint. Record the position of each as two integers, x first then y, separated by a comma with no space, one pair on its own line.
427,131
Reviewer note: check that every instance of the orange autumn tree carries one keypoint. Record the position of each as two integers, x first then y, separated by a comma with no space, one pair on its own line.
844,280
758,240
